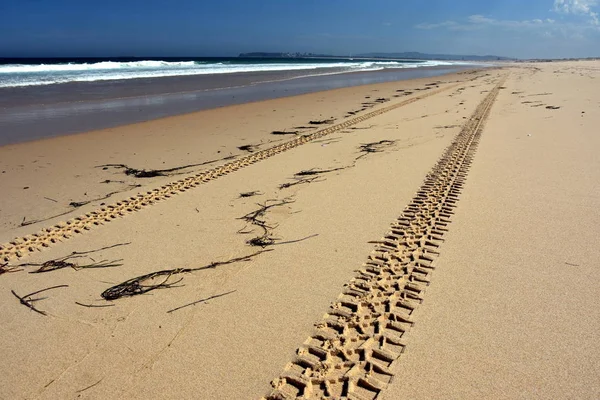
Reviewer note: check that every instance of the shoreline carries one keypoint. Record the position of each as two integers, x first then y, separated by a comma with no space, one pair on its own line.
103,107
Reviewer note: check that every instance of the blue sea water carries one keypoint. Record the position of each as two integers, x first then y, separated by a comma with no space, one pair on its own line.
35,72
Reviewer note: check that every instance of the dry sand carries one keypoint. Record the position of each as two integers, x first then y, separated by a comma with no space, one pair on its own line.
504,316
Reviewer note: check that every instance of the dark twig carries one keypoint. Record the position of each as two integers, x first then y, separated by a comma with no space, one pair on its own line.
94,305
89,387
77,204
151,173
60,263
250,194
27,300
202,300
299,182
112,246
315,171
321,122
250,148
284,133
145,283
5,269
35,221
297,240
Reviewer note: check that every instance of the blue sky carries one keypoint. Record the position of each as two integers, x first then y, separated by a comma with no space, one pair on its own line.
514,28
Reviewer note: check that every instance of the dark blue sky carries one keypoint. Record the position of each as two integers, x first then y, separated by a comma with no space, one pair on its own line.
533,28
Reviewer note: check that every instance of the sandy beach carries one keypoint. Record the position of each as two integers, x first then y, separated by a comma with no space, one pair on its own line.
428,238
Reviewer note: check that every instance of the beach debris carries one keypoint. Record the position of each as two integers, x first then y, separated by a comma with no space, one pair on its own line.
152,173
361,127
27,300
447,126
161,279
24,222
538,94
250,194
552,107
286,132
76,204
94,305
571,264
316,171
328,140
299,181
322,122
250,148
374,147
63,262
256,218
201,301
6,269
89,387
110,181
299,177
296,240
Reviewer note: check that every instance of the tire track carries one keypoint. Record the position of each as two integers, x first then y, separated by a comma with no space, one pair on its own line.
352,348
21,246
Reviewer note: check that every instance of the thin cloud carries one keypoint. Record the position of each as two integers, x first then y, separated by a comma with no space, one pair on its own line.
474,22
545,28
578,7
446,24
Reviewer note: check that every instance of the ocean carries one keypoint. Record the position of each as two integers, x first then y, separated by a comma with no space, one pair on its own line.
41,98
48,71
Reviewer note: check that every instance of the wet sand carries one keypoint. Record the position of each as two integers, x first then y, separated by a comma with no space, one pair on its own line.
249,317
35,112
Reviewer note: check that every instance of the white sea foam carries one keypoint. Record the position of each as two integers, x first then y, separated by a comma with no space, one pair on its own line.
46,74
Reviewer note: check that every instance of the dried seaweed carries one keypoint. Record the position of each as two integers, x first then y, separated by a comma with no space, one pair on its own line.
160,279
299,182
6,269
201,301
152,173
284,133
374,147
77,204
256,218
89,387
250,194
315,171
94,305
62,262
322,122
250,148
27,300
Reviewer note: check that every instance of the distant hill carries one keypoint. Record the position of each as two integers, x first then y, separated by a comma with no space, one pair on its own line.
423,56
